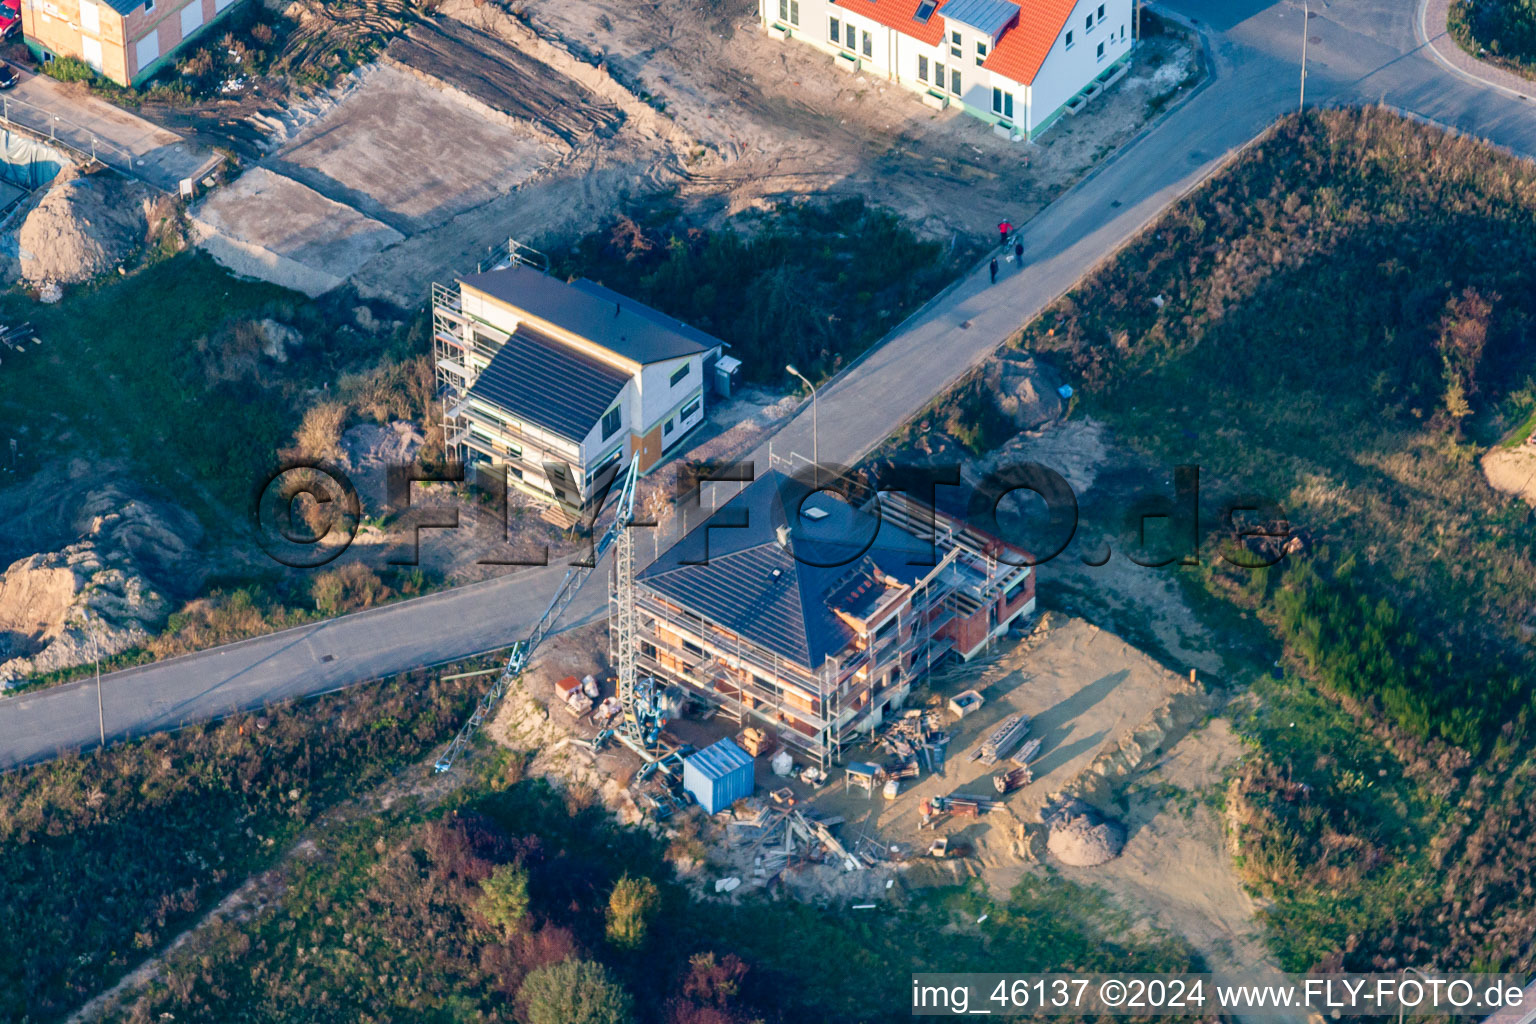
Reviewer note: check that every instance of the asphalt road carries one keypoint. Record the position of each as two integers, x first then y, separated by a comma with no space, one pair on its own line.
1358,51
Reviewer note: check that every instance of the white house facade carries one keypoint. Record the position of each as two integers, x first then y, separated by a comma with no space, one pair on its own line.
1017,64
557,381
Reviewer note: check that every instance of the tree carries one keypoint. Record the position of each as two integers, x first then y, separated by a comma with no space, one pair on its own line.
504,898
629,911
574,991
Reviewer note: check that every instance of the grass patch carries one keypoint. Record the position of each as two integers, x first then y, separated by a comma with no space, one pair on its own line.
812,284
1502,32
134,370
108,855
385,926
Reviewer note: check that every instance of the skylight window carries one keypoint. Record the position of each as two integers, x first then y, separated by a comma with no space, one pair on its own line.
815,513
925,10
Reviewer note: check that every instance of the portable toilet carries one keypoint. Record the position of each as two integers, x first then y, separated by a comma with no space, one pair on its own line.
718,775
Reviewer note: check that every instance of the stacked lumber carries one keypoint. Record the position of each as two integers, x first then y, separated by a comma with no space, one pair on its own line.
1002,740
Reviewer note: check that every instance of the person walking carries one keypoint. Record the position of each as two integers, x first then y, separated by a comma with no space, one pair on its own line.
994,270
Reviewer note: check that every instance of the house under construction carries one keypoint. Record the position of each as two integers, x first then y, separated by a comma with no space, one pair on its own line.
796,611
555,382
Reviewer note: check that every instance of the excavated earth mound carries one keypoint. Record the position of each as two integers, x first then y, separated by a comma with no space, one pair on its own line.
1080,836
85,225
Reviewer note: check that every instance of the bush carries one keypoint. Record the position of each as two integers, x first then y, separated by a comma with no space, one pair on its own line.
574,992
346,589
69,69
319,434
630,907
504,898
812,285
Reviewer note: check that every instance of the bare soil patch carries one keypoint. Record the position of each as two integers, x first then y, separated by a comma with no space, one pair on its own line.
1513,471
546,123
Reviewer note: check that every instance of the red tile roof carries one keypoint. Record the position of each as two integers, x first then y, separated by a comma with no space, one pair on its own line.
897,14
1024,45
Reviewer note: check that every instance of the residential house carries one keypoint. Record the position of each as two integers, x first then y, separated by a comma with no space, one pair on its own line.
558,381
125,40
1018,64
798,611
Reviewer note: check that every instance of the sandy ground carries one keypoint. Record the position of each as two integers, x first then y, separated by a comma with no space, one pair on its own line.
780,118
1512,470
543,128
314,246
370,151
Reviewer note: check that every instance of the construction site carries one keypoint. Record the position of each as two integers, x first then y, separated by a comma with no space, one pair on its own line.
827,713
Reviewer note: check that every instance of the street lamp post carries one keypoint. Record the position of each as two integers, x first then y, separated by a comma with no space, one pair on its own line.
1407,971
1306,16
815,433
101,718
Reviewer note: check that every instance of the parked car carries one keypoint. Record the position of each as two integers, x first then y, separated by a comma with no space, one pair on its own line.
10,22
8,76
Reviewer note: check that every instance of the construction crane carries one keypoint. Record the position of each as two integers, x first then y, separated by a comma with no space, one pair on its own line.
645,705
517,661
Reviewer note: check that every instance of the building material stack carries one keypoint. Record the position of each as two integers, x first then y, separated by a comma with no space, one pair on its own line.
1002,740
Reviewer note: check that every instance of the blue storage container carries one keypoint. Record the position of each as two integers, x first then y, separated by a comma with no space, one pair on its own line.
718,775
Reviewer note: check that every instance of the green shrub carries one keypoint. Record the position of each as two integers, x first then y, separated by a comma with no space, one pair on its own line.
630,908
574,992
69,69
1502,31
504,898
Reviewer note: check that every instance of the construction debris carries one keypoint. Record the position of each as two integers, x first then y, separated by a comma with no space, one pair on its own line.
779,839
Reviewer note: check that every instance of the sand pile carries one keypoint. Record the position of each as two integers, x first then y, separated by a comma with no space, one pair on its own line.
85,225
1080,836
96,595
1025,390
1512,470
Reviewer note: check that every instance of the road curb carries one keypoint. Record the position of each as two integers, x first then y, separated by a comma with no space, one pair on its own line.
1511,85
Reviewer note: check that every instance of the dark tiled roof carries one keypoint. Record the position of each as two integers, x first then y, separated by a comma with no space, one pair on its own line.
732,570
546,383
632,329
125,6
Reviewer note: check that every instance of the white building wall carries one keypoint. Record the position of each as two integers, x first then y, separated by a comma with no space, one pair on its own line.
1064,73
1067,71
658,396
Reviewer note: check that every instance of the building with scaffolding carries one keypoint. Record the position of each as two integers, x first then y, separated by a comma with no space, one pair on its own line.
558,381
795,611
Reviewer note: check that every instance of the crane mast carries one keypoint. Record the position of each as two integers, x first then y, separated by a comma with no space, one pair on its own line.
517,660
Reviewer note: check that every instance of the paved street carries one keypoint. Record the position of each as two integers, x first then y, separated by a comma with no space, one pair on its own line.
119,138
1359,51
294,663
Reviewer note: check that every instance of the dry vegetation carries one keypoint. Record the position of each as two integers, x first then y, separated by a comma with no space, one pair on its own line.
1338,322
108,855
472,911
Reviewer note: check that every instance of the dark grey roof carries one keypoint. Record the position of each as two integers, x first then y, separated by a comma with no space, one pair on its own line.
988,16
547,383
782,599
125,6
632,329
